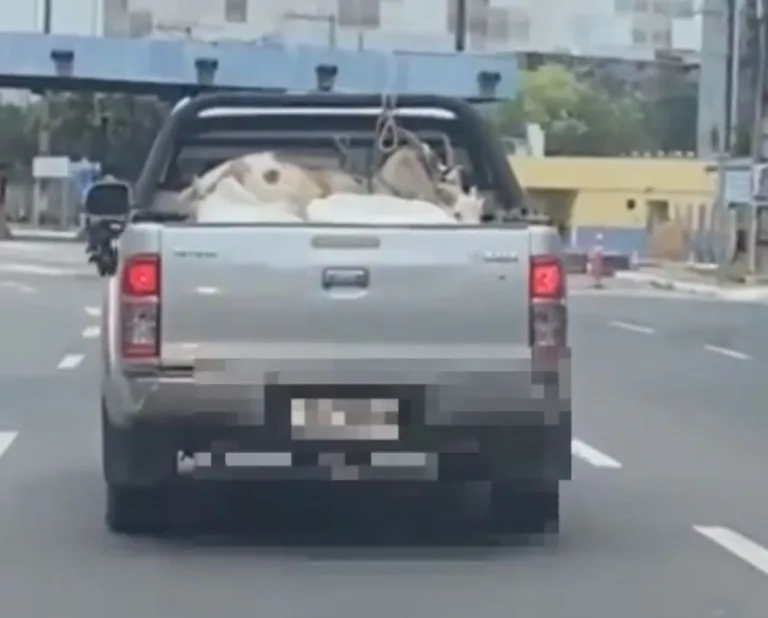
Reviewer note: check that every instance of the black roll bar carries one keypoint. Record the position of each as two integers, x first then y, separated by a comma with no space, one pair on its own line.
481,142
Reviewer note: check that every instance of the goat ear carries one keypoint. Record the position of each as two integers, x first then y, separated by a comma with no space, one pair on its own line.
452,175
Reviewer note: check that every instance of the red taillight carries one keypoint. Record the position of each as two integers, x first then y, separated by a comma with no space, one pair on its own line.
548,313
547,278
141,276
140,307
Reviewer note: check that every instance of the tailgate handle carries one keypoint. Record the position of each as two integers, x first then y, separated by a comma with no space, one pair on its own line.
345,278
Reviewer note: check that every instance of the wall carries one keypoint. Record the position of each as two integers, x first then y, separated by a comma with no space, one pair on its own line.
597,192
589,27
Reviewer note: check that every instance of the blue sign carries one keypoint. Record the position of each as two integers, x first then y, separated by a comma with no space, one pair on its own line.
84,174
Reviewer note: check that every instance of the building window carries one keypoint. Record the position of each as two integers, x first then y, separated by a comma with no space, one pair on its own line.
477,17
662,38
504,25
359,13
519,31
624,6
497,26
661,7
639,37
683,9
236,11
642,6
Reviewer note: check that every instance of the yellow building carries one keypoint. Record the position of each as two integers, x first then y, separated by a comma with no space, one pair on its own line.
620,198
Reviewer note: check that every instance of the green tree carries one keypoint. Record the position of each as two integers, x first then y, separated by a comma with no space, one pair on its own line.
115,129
17,147
578,117
132,124
17,142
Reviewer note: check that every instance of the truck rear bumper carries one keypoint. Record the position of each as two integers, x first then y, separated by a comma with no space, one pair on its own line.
467,428
478,399
217,452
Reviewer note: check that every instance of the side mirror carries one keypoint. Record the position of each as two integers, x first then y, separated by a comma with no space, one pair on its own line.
109,199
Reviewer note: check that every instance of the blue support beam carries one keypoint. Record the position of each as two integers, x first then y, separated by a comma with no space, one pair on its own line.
53,62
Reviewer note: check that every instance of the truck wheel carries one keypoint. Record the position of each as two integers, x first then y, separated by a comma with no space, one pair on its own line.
525,508
137,510
140,470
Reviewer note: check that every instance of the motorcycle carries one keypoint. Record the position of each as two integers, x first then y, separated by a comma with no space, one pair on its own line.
101,245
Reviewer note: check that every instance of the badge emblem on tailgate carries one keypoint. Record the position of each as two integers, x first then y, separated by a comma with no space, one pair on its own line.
501,257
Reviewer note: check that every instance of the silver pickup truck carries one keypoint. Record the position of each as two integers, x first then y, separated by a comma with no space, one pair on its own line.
282,352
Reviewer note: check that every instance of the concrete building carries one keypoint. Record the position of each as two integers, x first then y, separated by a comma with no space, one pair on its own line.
79,17
589,27
622,30
82,17
626,201
617,28
711,127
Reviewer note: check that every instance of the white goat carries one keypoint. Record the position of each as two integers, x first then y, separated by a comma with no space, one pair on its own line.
263,187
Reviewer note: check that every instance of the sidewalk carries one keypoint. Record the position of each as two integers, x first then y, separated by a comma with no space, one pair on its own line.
45,255
23,232
700,280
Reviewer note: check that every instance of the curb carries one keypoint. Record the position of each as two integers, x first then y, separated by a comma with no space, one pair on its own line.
751,294
31,235
44,270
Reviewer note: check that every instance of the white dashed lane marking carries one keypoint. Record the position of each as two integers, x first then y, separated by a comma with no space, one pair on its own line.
91,332
635,328
94,312
30,269
70,361
727,352
592,456
737,544
19,287
6,440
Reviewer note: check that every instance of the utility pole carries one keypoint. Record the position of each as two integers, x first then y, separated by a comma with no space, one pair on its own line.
727,138
40,202
47,12
731,76
5,233
460,43
758,130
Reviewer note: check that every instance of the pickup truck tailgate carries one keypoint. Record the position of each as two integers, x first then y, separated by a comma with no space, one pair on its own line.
242,288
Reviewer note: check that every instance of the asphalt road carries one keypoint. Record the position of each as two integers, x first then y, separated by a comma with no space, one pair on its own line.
658,522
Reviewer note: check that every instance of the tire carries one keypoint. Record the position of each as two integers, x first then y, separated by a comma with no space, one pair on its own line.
139,471
525,508
134,509
106,266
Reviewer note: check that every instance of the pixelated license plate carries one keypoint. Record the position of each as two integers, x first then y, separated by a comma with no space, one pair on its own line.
345,419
